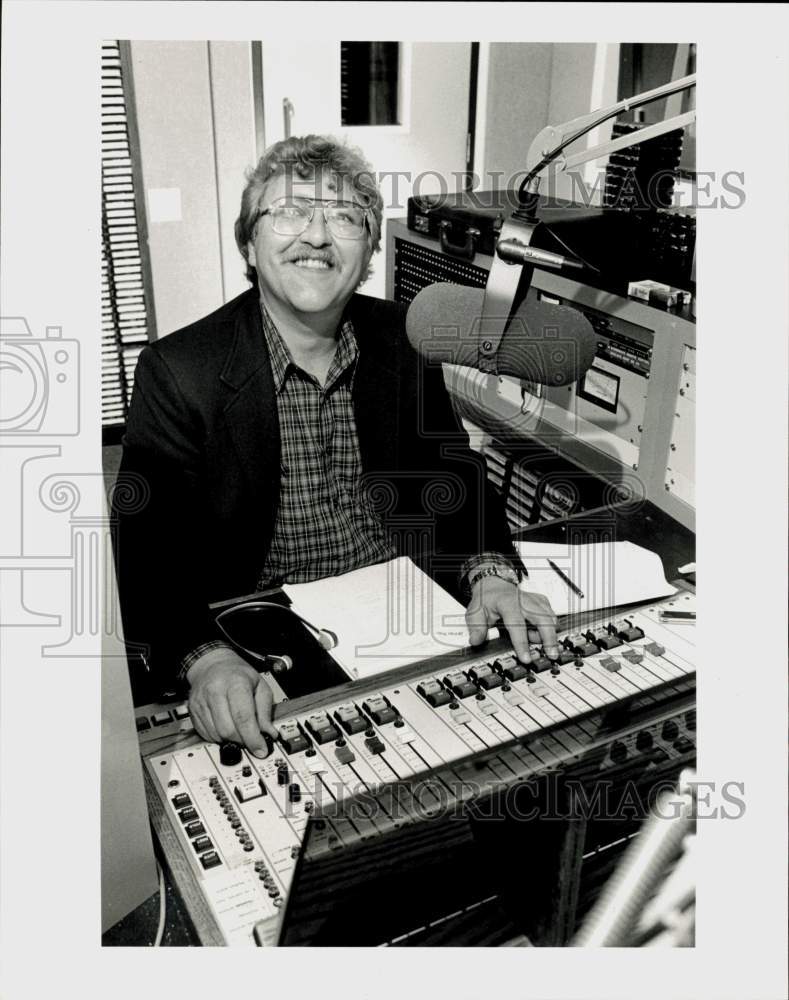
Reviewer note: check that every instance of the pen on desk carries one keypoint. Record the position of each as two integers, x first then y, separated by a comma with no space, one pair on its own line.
567,580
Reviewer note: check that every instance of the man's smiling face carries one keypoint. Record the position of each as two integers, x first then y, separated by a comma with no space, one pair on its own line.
314,272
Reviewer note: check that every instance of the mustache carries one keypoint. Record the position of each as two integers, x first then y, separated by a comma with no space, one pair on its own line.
322,255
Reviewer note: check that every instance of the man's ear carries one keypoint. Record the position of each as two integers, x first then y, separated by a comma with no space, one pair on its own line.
251,256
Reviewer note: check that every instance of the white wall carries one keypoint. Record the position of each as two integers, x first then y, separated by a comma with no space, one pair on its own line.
196,126
513,106
526,86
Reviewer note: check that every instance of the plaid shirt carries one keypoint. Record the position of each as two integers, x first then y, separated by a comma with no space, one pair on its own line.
325,525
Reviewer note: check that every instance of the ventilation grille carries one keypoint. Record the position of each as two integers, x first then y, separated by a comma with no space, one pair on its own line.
124,318
416,267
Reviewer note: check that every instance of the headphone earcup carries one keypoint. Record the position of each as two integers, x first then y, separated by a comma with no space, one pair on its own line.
327,639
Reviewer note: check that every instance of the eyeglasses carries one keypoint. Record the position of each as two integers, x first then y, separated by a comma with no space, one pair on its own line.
291,216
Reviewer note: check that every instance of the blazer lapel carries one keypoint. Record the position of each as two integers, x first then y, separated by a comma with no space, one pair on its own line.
375,388
251,412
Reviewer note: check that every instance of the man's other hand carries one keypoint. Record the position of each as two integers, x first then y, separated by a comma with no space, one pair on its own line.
229,700
528,618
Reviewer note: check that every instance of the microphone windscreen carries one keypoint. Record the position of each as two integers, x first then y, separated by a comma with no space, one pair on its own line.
544,343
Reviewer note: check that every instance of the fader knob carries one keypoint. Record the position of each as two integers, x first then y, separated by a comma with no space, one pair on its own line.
229,754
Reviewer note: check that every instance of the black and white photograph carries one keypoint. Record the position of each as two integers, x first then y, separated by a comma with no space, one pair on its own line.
360,450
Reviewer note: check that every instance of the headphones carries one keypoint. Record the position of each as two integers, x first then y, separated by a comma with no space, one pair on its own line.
277,664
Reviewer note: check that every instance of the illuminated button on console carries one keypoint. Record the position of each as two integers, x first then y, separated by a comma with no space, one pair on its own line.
633,655
182,800
485,676
210,860
626,630
511,668
292,738
580,645
459,684
350,718
603,639
322,728
194,829
202,844
655,648
610,664
161,718
181,712
433,693
380,709
187,815
249,789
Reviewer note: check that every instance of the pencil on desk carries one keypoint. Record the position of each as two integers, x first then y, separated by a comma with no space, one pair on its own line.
567,580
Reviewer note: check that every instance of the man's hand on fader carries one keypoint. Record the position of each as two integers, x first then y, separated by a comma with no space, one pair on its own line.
229,700
527,617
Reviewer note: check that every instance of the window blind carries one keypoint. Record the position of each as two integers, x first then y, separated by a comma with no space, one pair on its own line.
126,322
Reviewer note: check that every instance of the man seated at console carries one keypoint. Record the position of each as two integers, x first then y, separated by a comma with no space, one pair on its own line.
294,434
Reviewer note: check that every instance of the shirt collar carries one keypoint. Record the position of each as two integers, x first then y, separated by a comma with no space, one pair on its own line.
283,365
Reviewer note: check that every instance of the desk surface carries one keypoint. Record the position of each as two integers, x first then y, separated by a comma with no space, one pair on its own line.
643,524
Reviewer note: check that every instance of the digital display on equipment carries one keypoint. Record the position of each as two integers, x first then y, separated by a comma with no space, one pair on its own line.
600,387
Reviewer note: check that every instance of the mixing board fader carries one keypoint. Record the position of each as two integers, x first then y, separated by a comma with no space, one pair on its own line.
239,820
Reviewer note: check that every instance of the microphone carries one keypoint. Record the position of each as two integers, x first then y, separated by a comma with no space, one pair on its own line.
520,253
544,343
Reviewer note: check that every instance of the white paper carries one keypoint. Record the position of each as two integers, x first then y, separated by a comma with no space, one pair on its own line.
607,573
385,616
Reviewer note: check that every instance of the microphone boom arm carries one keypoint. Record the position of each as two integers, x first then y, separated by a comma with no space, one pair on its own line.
518,231
549,144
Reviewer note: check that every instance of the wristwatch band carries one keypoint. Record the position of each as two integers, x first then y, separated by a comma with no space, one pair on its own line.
503,572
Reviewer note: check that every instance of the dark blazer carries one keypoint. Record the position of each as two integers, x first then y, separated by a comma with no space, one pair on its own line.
195,507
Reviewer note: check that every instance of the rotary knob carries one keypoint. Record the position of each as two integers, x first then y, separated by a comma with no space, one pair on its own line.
229,754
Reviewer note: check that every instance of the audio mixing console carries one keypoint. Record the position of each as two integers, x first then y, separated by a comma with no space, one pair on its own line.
231,825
